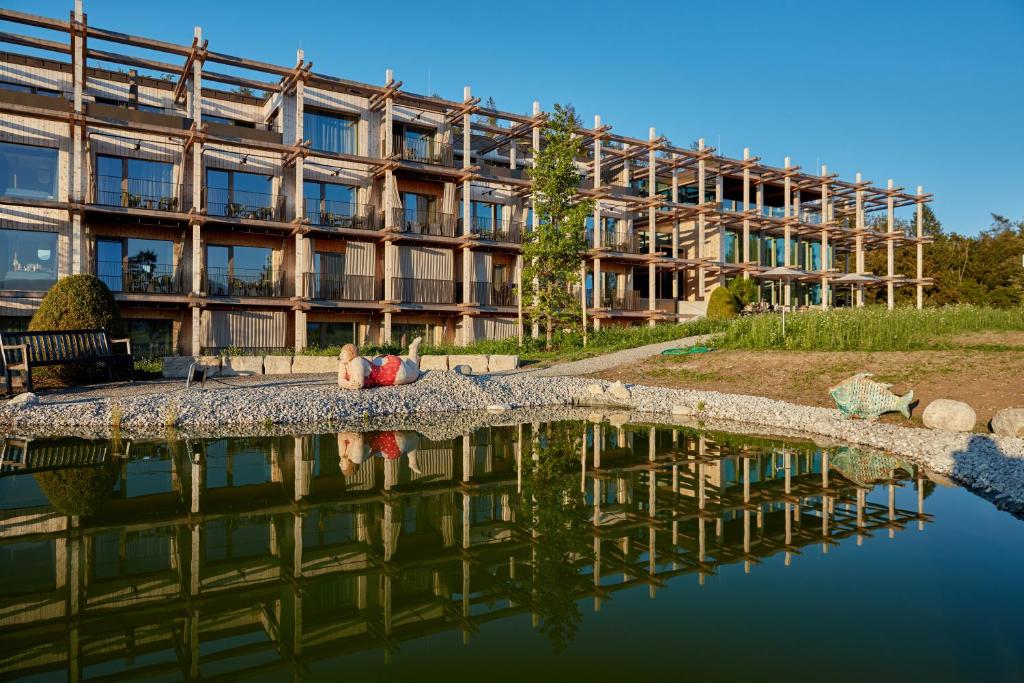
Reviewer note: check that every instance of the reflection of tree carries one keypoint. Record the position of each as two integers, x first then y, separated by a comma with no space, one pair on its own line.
77,491
553,507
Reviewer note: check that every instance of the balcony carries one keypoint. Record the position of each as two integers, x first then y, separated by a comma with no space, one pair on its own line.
139,278
244,282
326,213
329,286
242,204
423,150
495,229
623,301
622,241
421,291
417,222
135,193
491,294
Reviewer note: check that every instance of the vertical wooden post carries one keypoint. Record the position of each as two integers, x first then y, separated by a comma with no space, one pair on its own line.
920,247
652,228
826,220
787,212
468,269
859,238
890,246
746,215
701,219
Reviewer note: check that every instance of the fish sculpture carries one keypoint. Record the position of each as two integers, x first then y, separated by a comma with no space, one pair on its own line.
865,469
862,397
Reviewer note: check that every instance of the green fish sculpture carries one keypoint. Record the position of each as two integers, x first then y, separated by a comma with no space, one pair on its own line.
862,397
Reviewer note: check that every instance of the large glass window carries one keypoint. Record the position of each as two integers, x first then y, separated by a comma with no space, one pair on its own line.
418,207
27,171
151,338
329,203
136,265
239,194
326,334
327,132
135,183
28,260
239,271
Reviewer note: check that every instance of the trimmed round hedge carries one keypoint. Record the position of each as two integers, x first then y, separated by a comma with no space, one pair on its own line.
722,305
77,302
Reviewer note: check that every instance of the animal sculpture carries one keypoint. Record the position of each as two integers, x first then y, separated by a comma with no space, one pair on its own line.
862,397
356,372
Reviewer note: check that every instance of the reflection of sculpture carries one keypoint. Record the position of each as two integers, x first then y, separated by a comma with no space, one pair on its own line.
867,468
356,372
863,397
355,448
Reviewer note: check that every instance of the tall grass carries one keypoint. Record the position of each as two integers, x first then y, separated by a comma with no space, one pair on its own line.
873,328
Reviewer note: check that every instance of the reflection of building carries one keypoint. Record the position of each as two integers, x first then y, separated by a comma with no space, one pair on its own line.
280,207
224,556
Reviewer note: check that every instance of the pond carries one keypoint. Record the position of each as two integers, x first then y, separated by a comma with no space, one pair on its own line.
571,548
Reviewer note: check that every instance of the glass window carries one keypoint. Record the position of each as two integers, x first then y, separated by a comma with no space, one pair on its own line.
333,133
28,260
326,334
235,193
409,331
27,171
485,215
328,199
151,338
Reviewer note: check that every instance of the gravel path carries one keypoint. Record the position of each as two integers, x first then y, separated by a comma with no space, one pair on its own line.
614,359
991,465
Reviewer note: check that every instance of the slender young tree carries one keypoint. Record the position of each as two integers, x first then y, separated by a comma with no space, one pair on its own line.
551,251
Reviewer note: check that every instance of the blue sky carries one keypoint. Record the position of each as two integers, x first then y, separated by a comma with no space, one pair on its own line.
926,93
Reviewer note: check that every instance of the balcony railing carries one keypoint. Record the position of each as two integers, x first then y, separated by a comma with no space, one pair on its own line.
421,291
244,282
624,301
491,294
220,201
135,193
329,286
334,214
621,241
495,229
139,278
425,222
423,150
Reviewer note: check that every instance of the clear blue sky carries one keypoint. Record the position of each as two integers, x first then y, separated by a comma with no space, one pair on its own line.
927,93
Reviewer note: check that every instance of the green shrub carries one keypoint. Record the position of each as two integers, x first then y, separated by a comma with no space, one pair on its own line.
77,491
77,302
722,305
744,289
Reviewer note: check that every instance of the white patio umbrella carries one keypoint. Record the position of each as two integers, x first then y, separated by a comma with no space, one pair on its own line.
782,274
855,280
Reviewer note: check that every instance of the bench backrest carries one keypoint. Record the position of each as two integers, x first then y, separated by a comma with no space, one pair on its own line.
59,346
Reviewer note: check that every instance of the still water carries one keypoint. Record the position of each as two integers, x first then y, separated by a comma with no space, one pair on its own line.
569,549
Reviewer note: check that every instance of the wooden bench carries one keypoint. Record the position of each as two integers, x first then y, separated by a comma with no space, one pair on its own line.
23,351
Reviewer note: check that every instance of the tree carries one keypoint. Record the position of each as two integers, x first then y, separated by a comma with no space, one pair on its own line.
722,305
551,251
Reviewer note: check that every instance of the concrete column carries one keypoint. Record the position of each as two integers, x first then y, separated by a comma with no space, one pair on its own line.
701,220
787,213
859,239
746,208
826,221
920,247
652,227
890,256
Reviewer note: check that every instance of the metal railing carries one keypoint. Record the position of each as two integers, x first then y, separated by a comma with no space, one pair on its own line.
335,214
422,291
243,282
621,241
625,301
499,230
330,286
135,193
425,222
139,278
220,201
423,150
491,294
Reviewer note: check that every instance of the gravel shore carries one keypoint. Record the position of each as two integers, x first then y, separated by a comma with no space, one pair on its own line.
991,465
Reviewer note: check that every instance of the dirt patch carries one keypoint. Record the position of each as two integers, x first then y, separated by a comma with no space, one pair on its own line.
1014,340
986,380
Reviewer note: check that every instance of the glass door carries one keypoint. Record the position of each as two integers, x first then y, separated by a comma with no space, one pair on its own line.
109,264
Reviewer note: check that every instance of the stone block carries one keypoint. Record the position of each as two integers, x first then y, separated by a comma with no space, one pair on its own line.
502,362
211,363
315,365
277,365
948,415
241,366
176,367
433,363
477,363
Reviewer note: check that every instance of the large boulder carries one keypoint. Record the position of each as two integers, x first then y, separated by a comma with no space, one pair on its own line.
24,400
1009,422
949,415
477,362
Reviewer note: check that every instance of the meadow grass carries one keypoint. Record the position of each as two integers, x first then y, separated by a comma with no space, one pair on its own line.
873,328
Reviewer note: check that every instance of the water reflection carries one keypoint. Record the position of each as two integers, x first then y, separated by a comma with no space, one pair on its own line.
231,556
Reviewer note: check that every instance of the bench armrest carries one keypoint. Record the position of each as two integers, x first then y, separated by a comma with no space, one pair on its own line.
23,363
127,344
